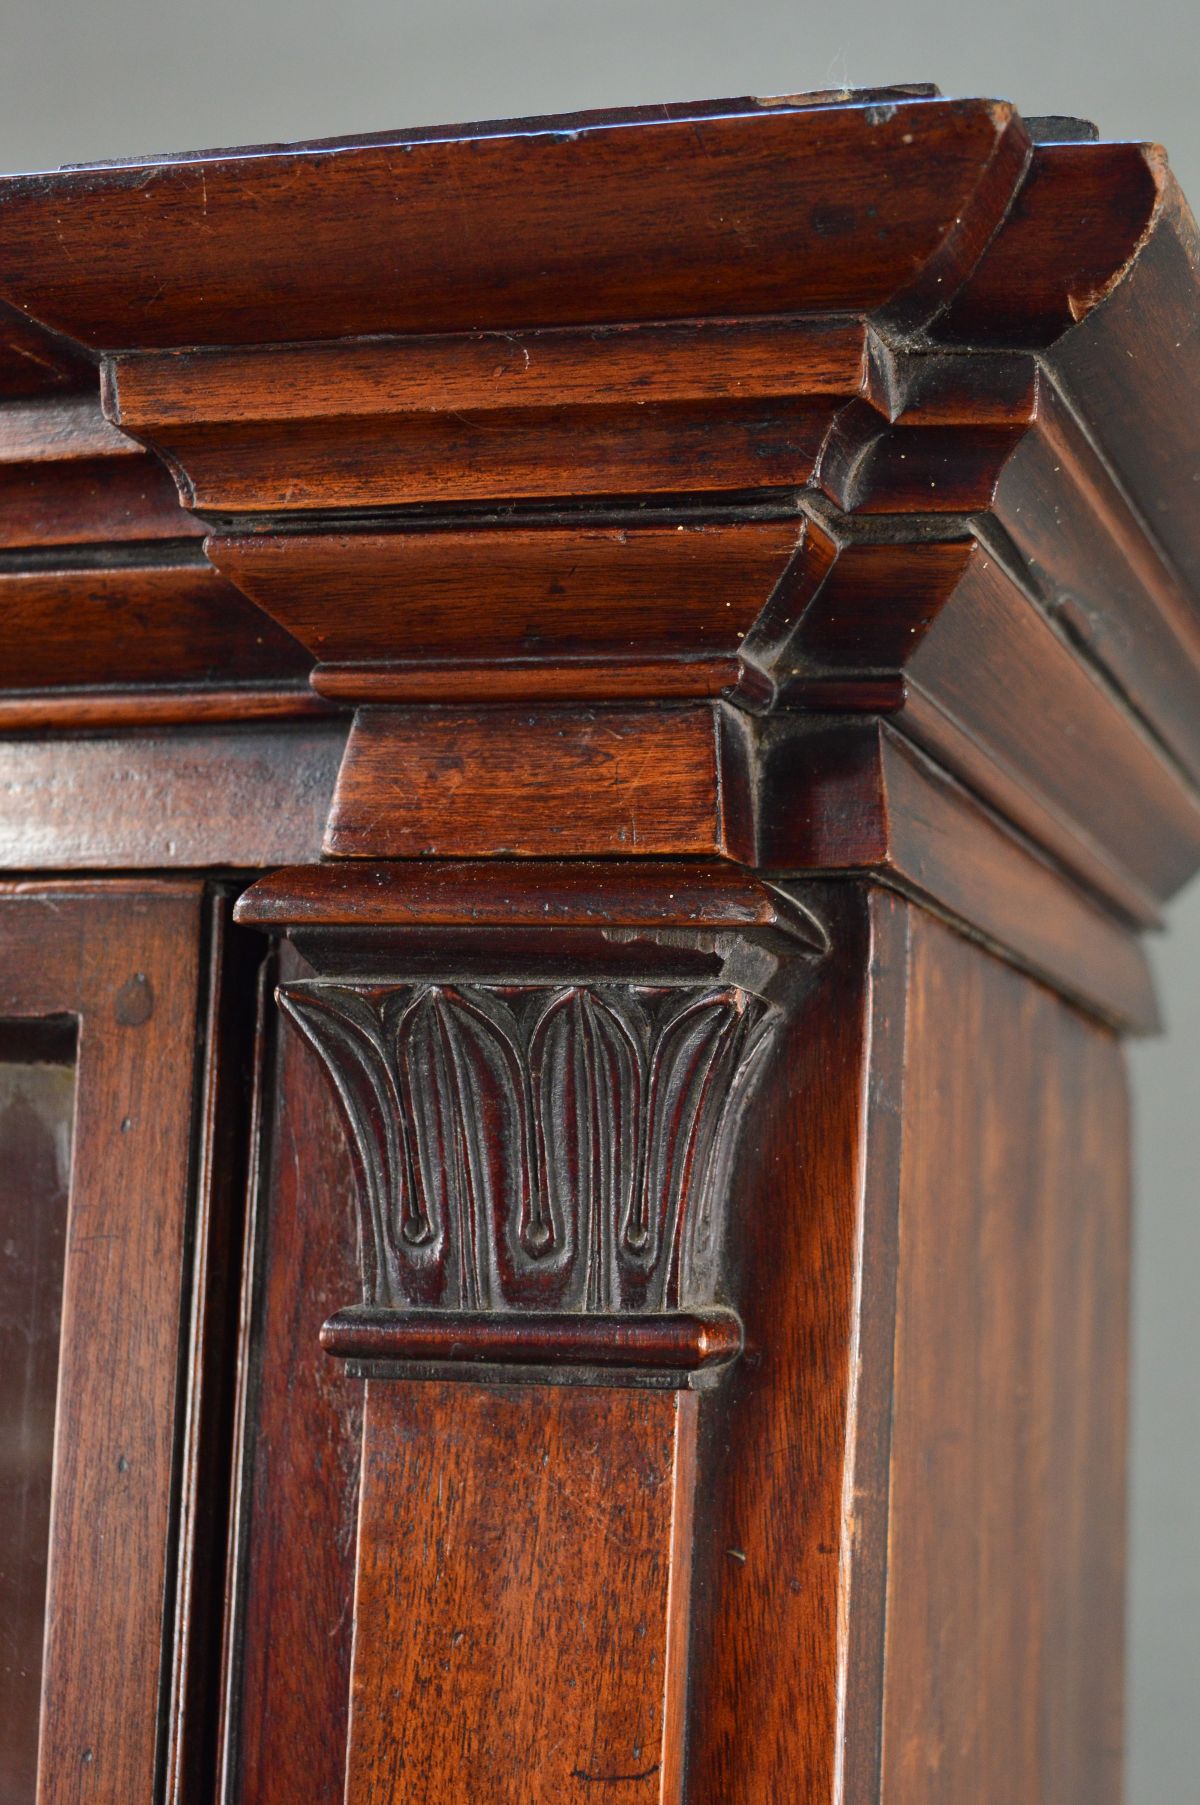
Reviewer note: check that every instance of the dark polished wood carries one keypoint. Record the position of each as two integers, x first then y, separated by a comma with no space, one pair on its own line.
604,1270
104,585
121,961
495,1603
610,599
222,1162
289,1617
596,893
671,196
1007,1438
241,796
675,1343
793,796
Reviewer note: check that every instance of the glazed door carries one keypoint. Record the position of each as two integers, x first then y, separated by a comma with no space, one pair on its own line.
106,1405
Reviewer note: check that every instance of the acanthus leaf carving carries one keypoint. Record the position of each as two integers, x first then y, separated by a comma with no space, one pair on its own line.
538,1147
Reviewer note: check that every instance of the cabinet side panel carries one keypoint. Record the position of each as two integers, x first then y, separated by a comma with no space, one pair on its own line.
1005,1582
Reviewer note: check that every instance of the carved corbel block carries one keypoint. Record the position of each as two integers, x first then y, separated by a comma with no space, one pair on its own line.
542,1119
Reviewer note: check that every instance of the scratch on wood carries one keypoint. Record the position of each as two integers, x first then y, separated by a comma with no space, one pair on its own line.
646,1773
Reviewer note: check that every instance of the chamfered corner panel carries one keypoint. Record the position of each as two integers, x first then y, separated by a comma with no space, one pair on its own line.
1005,1590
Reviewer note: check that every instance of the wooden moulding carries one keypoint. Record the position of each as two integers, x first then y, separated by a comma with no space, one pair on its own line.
874,804
790,405
542,1132
236,796
1020,700
519,893
676,1347
785,796
112,615
161,706
382,610
1046,505
710,405
136,628
713,210
487,372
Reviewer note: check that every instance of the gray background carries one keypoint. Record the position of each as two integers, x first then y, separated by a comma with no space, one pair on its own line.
88,79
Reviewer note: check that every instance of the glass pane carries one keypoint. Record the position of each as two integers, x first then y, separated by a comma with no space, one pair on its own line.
37,1095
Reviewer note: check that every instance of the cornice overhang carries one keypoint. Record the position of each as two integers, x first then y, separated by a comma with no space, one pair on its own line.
701,422
110,611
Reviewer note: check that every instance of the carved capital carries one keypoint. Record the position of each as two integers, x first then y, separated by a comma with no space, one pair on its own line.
539,1151
543,1156
537,1147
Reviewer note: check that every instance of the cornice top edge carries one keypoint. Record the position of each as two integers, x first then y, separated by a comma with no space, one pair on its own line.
728,207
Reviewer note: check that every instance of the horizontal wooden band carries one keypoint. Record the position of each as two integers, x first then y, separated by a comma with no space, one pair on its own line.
243,796
159,706
508,893
684,1341
594,680
489,680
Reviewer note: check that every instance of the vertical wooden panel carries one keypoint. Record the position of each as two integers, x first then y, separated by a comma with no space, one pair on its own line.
225,1104
771,1531
514,1596
298,1483
1004,1599
909,1530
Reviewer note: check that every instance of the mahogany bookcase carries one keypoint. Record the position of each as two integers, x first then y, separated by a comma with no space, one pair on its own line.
592,712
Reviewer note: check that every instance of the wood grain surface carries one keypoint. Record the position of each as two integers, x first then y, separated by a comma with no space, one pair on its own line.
675,220
549,594
238,796
297,1461
700,601
123,961
1005,1548
486,1617
124,628
771,1543
918,1483
601,893
531,781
